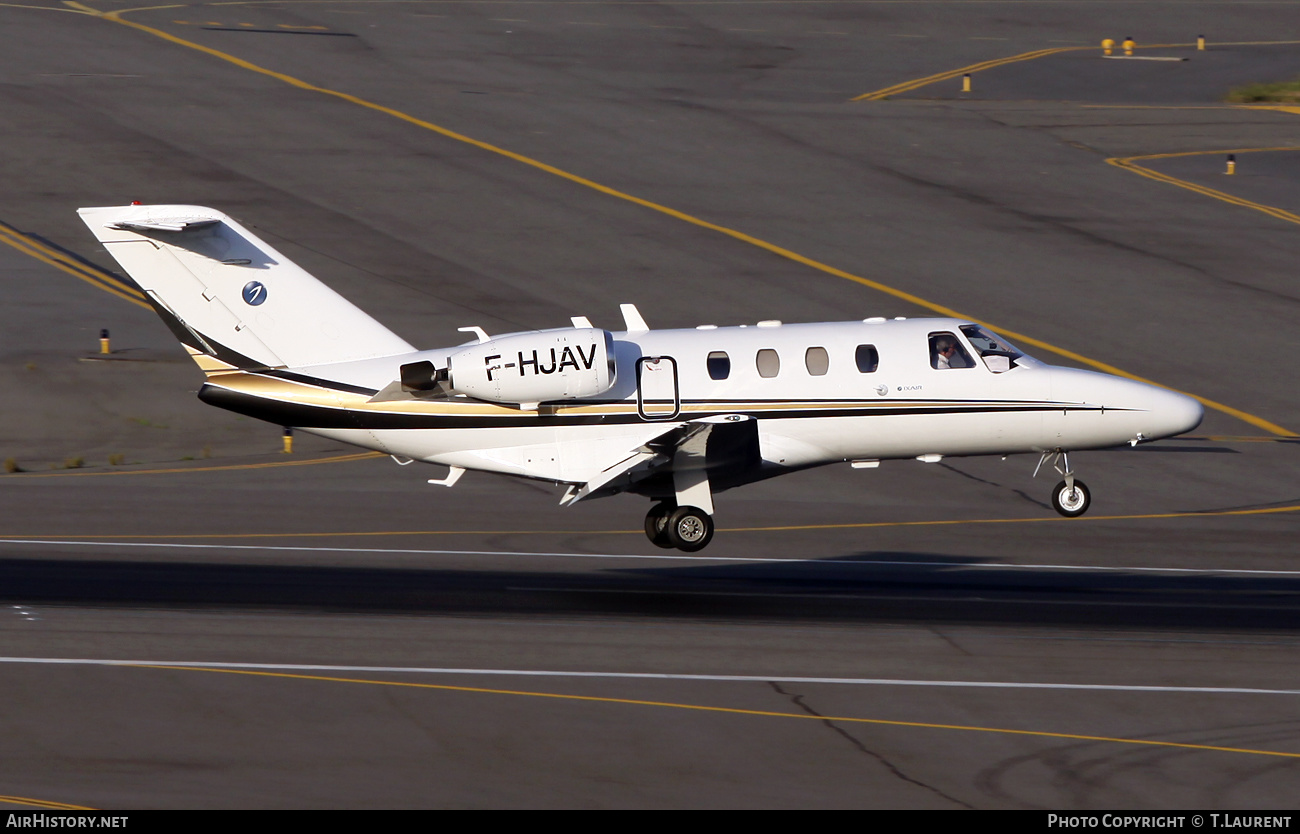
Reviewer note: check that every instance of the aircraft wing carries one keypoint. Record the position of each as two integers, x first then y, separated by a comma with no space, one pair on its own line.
682,445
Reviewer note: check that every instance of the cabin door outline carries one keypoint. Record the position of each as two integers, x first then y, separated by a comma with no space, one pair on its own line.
658,395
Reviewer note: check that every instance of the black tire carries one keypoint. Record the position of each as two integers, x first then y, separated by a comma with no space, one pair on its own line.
1071,503
690,529
656,524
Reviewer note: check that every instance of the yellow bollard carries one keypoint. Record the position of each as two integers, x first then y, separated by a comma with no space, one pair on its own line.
1107,46
965,83
103,341
1128,46
1232,164
288,440
1200,43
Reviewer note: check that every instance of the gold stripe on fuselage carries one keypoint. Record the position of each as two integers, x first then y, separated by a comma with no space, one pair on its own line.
323,395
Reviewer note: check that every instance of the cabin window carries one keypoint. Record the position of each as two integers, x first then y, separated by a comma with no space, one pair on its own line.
867,358
947,353
719,365
817,360
769,364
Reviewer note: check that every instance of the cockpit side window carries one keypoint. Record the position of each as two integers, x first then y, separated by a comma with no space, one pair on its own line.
997,353
946,352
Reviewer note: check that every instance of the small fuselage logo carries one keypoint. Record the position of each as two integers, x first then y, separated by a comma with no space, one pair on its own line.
254,293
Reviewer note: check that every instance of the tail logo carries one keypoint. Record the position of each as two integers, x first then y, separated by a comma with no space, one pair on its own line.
254,293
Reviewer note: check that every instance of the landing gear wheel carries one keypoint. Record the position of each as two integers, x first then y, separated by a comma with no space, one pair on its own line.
656,524
689,529
1071,502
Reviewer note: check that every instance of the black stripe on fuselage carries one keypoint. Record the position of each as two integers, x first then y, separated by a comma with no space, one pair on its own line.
330,384
323,417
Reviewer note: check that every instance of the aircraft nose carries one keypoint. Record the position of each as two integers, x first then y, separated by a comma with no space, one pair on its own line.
1131,410
1170,413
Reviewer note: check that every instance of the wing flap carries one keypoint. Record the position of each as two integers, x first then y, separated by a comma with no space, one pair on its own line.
682,445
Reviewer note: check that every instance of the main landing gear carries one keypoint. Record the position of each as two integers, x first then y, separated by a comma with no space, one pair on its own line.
685,528
1071,497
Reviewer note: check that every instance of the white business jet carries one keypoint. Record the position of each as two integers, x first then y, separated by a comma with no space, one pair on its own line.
673,415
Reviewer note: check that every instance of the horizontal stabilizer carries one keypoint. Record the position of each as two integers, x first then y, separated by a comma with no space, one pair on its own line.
166,224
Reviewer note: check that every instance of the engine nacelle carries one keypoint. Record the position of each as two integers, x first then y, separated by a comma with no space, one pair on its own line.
536,367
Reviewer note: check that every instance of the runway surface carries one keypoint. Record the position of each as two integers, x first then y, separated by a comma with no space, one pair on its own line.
210,623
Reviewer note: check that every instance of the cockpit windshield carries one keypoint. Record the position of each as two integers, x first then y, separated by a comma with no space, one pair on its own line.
998,354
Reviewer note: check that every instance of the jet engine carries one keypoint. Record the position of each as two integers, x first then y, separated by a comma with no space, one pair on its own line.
535,367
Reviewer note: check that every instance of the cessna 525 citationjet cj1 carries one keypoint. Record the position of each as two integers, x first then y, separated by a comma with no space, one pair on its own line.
674,415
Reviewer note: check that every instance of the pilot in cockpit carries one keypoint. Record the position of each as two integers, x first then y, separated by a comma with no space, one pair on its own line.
946,354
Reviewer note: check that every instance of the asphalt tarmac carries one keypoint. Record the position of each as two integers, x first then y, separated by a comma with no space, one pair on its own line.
192,619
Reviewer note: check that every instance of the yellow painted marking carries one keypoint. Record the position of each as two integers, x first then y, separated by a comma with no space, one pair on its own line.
39,8
732,710
1036,519
1130,163
42,803
687,218
906,86
1281,108
55,258
226,467
81,7
499,532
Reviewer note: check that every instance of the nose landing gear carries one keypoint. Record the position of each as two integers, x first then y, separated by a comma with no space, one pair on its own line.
1071,497
1071,500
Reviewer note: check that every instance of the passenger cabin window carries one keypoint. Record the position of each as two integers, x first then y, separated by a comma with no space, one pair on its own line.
947,353
817,360
769,364
867,358
719,365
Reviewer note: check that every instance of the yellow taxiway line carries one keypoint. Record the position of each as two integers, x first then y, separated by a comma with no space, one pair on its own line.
737,711
184,469
42,803
1130,163
116,17
855,525
905,86
45,253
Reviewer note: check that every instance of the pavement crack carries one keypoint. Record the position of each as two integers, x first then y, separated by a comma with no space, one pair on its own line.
798,701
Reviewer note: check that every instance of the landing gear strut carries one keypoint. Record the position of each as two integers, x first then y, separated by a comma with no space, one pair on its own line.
1071,497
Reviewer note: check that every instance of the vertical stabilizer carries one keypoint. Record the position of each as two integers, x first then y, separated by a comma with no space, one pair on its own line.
227,295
